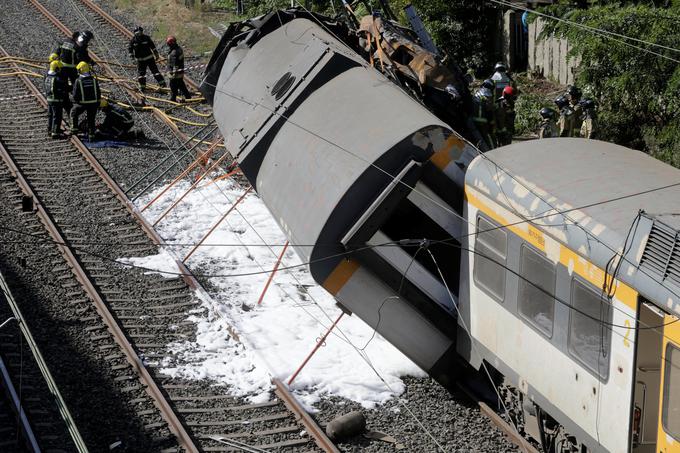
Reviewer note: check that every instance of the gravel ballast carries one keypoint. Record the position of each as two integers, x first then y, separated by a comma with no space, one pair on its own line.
455,424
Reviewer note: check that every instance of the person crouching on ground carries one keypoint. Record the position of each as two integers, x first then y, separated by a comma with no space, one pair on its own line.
118,123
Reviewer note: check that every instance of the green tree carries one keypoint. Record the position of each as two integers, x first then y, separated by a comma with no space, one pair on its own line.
635,84
465,30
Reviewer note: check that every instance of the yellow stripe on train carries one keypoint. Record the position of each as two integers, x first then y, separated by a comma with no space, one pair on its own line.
576,263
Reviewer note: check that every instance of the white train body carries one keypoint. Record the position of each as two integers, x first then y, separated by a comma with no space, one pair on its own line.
404,216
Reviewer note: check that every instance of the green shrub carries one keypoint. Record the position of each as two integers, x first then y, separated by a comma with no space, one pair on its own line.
637,91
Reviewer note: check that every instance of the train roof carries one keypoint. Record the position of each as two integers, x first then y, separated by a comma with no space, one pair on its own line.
603,187
586,172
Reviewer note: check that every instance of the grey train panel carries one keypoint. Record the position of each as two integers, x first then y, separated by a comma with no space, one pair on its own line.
332,147
301,160
613,186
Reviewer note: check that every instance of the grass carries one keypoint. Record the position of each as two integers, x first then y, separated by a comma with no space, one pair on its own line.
171,17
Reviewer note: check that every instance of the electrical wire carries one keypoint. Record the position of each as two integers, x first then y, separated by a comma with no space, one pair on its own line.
139,116
554,211
355,156
551,214
584,230
598,31
462,322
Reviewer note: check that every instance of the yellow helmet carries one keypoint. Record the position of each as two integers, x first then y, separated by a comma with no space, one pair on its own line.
55,66
83,67
54,57
103,103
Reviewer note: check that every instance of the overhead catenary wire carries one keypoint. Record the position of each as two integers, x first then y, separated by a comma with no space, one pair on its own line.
598,31
139,116
589,234
418,421
402,242
549,213
462,322
372,164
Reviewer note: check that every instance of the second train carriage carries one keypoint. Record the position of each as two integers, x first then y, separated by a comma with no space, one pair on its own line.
350,163
591,368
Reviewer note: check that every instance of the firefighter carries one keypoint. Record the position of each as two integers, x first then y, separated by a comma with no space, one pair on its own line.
118,123
86,97
501,79
505,116
81,48
548,127
483,115
588,125
143,50
61,74
574,96
56,92
66,53
566,123
176,70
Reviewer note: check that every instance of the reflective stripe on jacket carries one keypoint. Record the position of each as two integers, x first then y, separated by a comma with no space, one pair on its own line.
86,90
55,89
67,54
142,48
176,62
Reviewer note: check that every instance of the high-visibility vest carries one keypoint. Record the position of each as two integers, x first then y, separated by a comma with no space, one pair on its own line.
67,54
86,90
54,89
142,48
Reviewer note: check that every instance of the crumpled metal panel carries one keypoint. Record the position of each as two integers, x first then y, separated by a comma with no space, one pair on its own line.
305,151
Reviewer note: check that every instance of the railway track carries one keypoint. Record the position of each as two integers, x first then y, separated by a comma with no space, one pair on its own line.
131,317
105,20
181,391
123,88
33,414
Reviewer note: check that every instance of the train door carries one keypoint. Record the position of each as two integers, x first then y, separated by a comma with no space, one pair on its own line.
668,440
647,379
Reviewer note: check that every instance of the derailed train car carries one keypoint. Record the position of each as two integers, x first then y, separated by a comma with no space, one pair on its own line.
333,148
533,262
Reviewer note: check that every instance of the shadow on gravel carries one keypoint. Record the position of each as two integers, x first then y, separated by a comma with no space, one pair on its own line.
78,367
424,418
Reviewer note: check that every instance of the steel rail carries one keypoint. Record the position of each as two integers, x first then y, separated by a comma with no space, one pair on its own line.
26,429
122,29
281,390
322,441
109,71
319,436
509,430
42,365
152,388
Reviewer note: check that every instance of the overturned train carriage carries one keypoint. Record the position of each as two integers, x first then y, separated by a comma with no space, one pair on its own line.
333,148
574,314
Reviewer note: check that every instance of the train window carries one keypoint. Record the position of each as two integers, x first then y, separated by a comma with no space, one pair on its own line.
670,415
589,328
536,300
490,250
